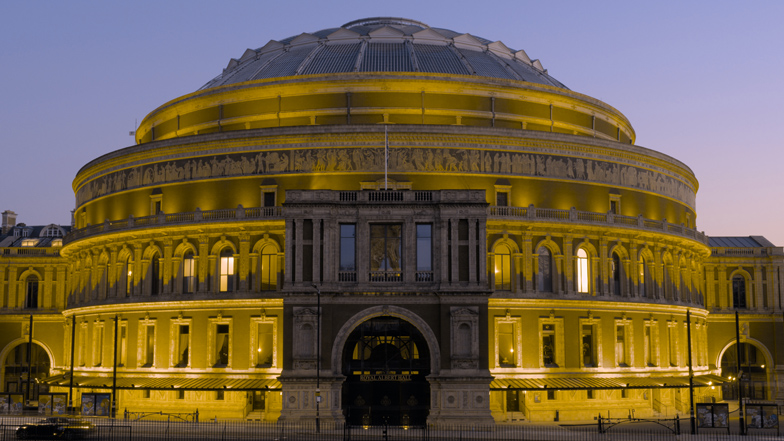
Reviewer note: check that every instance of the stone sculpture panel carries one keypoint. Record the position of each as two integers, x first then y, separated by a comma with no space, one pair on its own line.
401,160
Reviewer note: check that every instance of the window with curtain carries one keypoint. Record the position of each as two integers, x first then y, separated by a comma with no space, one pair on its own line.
188,273
221,345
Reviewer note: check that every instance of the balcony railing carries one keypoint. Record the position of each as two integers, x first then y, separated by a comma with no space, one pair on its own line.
532,213
750,252
31,251
164,219
386,276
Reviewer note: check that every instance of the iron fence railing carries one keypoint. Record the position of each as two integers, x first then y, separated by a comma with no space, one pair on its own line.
229,430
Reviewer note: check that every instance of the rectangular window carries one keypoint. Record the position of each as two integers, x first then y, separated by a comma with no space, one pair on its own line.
621,348
221,345
264,348
269,198
386,253
550,395
506,346
82,345
424,252
149,345
348,253
220,395
146,393
502,199
672,335
97,344
615,204
590,394
183,349
650,342
588,342
549,345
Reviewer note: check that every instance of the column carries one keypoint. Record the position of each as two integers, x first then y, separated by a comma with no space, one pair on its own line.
244,262
168,283
203,263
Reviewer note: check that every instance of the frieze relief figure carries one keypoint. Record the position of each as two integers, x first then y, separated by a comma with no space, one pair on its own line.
400,160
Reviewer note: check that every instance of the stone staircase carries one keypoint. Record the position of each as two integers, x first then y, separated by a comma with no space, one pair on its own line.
255,415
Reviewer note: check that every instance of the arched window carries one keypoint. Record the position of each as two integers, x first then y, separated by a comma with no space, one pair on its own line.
226,271
188,273
615,269
544,275
739,292
268,269
583,271
503,268
128,275
31,299
155,275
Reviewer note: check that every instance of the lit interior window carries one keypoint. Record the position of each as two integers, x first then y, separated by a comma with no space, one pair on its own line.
582,271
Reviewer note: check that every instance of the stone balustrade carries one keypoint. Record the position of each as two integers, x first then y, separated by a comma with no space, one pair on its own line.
32,251
530,213
534,214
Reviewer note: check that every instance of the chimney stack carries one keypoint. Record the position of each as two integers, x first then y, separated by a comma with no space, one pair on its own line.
9,220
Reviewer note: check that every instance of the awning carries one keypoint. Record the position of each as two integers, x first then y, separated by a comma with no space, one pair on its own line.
584,383
206,382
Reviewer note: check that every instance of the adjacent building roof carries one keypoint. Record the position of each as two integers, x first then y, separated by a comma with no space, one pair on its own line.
32,235
738,242
384,44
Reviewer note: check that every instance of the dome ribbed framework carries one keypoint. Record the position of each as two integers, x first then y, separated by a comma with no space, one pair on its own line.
384,44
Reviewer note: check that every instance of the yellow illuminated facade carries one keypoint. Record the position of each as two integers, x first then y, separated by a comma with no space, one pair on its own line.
483,243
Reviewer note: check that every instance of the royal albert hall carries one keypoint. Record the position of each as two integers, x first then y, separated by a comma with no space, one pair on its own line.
392,222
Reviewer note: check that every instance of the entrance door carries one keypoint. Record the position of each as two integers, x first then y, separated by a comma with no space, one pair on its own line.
386,361
259,399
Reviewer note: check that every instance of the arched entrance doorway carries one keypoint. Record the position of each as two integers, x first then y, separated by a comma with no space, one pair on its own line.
386,361
753,376
24,364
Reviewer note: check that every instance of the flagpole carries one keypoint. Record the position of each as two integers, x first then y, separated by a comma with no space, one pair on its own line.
386,156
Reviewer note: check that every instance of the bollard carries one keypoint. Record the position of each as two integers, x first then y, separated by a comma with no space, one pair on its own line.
600,423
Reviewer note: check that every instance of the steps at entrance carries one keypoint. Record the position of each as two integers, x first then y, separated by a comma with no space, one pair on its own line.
255,415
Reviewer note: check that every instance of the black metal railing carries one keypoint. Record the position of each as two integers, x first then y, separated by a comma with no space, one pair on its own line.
227,430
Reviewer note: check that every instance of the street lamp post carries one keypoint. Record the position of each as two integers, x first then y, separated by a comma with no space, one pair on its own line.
741,418
318,355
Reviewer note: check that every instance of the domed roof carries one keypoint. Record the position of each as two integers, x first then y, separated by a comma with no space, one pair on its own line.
384,44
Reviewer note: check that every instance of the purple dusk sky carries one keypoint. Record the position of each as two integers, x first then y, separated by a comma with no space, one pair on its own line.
701,81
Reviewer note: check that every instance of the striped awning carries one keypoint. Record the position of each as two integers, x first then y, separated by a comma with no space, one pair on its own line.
584,383
212,382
